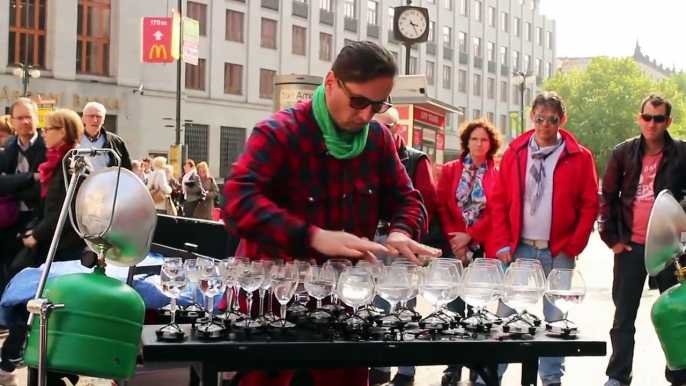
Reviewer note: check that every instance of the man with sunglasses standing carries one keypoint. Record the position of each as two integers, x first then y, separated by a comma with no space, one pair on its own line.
315,180
639,169
544,204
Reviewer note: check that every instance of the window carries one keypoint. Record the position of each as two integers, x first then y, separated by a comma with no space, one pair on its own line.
350,9
395,57
27,32
231,145
539,36
490,117
503,91
527,32
477,85
391,15
517,27
462,81
268,33
326,5
446,77
490,51
299,40
491,16
195,76
267,83
548,70
447,37
414,65
538,70
502,124
432,32
550,39
197,11
93,37
372,12
476,114
505,22
325,47
196,138
463,7
490,88
503,55
527,96
515,60
461,111
430,72
478,10
234,25
516,94
233,79
448,4
477,47
463,42
527,62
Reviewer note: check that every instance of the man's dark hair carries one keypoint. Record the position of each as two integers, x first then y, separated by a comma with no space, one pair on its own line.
23,100
549,100
657,100
360,62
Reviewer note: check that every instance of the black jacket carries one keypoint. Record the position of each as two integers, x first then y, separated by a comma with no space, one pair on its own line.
621,181
116,143
21,185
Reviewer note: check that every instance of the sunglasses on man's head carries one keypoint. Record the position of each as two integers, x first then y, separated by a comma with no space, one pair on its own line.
361,103
553,120
657,118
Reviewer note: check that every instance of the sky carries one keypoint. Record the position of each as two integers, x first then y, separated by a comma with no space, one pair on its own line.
611,27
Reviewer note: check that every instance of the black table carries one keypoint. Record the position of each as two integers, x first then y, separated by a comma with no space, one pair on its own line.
210,358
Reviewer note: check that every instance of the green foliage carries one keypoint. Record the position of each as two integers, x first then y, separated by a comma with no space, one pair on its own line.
604,99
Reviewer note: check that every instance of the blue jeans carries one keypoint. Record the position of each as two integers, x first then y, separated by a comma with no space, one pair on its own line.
550,369
403,370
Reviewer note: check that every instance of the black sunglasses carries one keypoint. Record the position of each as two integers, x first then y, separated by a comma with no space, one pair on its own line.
553,120
656,118
361,103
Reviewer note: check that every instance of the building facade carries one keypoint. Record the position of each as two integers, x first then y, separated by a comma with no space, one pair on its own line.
474,47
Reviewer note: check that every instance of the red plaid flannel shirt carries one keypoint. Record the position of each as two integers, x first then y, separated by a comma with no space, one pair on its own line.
286,185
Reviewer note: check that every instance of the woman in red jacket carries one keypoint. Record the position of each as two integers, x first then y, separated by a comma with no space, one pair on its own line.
464,187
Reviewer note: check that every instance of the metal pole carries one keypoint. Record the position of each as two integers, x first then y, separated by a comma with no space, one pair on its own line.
178,75
521,101
25,79
408,49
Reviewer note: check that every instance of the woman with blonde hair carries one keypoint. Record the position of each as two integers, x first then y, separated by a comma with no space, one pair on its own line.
159,186
6,130
205,208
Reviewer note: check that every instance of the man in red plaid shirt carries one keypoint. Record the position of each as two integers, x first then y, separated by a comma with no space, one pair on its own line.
315,180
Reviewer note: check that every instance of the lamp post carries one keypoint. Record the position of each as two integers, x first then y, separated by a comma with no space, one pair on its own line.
522,79
26,72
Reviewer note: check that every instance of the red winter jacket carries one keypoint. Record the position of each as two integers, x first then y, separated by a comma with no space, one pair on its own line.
575,197
451,215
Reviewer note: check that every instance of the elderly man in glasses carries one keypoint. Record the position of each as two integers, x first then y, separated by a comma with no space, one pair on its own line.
315,180
638,170
544,204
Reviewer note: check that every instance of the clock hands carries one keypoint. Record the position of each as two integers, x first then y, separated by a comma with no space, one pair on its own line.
414,26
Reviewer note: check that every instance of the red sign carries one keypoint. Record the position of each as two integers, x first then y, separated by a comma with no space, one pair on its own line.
440,141
429,117
403,111
156,40
417,137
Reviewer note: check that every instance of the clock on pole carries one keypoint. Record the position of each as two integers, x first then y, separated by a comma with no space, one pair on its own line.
410,26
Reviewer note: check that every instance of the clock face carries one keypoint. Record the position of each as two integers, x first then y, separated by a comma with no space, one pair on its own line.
412,24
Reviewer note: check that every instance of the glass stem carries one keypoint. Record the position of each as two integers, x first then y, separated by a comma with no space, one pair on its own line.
262,292
271,295
319,304
210,307
249,302
236,294
229,299
283,311
172,309
391,309
403,304
194,290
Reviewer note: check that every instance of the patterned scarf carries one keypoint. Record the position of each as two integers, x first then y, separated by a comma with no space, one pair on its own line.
536,184
471,198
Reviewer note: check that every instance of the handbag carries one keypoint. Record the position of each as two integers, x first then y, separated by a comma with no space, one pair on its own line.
157,196
9,211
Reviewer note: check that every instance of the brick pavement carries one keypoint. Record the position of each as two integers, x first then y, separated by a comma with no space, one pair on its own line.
594,317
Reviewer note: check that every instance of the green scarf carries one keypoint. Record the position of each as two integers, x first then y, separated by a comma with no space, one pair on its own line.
340,143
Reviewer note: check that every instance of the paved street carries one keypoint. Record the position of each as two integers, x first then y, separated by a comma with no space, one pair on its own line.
594,316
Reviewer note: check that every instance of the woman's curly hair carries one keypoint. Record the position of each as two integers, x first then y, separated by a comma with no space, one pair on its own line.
493,135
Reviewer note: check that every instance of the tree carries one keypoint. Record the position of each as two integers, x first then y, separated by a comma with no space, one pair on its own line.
603,101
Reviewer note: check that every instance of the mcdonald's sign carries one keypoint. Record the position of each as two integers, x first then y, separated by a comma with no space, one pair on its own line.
156,40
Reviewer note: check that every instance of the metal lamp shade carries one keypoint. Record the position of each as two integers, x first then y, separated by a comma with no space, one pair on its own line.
663,238
127,241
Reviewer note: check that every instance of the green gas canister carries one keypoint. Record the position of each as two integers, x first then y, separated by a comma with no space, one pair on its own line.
98,331
669,319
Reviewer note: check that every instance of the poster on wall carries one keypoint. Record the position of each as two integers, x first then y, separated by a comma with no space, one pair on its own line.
440,141
417,138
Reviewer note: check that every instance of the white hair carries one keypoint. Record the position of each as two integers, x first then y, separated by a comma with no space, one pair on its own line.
96,105
389,117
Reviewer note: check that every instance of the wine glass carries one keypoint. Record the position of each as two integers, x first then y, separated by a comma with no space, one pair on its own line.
229,268
378,269
403,312
565,288
173,282
191,267
250,277
284,283
269,265
303,266
339,266
481,285
211,285
237,286
394,286
436,282
523,287
320,283
355,288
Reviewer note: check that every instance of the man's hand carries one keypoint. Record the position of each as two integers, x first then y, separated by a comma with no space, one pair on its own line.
459,240
342,244
29,241
505,257
398,243
620,247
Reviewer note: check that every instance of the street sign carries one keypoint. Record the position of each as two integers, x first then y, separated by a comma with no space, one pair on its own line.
156,40
191,40
42,112
176,35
